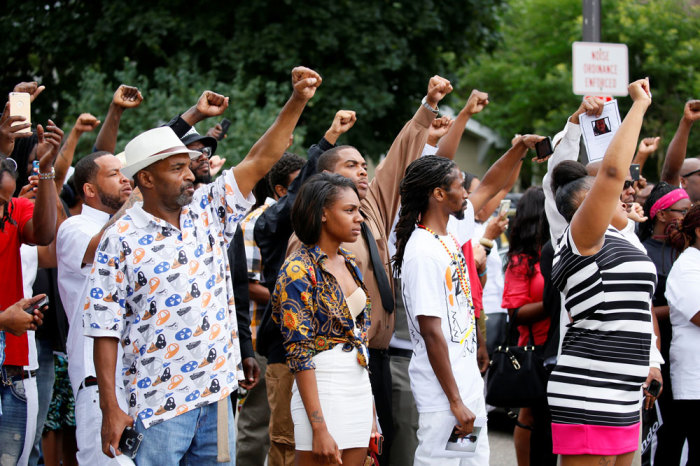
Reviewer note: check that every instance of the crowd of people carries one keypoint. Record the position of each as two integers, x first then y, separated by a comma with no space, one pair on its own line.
161,309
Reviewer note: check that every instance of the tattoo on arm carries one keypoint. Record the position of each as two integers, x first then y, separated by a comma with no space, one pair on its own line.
316,417
605,461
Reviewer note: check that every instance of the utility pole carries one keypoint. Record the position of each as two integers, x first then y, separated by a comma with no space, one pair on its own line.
591,20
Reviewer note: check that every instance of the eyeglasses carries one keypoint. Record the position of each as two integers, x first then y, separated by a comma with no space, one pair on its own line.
680,211
628,184
9,163
206,151
694,172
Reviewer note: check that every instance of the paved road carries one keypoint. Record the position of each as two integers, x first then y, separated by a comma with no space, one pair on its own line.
501,440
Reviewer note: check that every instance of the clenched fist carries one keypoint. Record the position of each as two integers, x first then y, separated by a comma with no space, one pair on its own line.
439,128
212,104
86,123
438,88
305,82
477,102
127,97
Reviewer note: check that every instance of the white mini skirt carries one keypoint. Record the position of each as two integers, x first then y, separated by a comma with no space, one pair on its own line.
346,401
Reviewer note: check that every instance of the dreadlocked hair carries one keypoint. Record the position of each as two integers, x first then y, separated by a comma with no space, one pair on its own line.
421,178
646,229
682,234
8,167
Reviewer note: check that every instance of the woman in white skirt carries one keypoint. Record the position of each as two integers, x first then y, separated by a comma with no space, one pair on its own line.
322,308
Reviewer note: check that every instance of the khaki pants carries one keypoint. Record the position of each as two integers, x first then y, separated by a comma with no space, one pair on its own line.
253,440
279,396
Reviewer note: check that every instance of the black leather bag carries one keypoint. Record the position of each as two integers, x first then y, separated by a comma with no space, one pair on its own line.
516,377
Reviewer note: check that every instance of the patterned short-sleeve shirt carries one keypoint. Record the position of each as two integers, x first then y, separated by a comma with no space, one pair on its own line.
166,293
309,306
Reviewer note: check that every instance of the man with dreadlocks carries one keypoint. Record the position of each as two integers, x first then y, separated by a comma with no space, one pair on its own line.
445,377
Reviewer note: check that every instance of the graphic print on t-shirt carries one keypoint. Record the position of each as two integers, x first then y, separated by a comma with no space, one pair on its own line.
458,310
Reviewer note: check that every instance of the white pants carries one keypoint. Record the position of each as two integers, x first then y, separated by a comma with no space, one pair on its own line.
88,425
429,431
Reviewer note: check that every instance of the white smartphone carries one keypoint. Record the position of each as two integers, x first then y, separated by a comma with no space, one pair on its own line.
20,106
504,207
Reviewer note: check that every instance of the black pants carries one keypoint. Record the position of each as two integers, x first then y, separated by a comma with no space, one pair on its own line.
380,379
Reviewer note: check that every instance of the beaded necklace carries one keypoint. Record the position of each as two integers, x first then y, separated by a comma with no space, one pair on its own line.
458,261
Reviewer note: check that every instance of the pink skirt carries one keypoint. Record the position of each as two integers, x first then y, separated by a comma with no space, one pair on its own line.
581,439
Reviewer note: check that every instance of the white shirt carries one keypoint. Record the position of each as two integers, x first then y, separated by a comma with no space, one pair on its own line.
166,293
30,264
493,291
431,287
72,240
684,302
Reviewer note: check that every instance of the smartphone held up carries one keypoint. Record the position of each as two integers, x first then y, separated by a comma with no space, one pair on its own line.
20,106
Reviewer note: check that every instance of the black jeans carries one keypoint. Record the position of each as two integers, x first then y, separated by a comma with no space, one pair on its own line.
380,378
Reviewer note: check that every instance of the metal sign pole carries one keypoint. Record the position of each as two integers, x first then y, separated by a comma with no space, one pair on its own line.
591,20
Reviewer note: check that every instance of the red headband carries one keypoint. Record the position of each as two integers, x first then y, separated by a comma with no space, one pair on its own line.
667,200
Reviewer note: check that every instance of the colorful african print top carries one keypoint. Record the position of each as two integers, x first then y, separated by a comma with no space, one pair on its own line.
310,308
166,293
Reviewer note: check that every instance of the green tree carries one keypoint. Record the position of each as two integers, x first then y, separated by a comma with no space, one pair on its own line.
528,76
376,57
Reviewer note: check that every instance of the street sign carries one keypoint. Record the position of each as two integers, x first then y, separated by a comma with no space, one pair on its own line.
599,68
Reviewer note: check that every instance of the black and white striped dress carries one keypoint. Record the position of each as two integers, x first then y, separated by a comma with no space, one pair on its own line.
594,391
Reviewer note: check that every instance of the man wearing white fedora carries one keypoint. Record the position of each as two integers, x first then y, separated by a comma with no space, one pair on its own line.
181,356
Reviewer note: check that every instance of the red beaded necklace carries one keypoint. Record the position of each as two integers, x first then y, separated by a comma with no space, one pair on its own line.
458,260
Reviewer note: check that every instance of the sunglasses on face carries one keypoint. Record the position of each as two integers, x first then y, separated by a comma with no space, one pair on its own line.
680,211
694,172
205,151
628,184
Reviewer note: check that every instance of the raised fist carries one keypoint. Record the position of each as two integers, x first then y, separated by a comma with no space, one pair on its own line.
86,123
305,82
477,102
592,106
439,128
438,88
640,91
691,112
127,97
649,145
343,121
32,88
212,104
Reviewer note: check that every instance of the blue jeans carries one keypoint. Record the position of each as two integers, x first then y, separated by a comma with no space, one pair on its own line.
13,421
45,376
187,439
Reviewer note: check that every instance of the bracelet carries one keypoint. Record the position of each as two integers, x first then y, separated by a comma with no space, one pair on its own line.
481,274
48,176
425,104
485,242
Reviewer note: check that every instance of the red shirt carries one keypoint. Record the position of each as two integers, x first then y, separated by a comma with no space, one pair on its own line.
474,282
11,291
521,288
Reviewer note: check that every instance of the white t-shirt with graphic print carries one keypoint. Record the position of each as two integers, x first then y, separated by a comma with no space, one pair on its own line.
431,287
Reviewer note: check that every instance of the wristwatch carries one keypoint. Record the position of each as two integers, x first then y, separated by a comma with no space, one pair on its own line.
425,104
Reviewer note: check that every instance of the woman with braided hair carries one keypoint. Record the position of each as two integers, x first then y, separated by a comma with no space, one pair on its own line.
685,320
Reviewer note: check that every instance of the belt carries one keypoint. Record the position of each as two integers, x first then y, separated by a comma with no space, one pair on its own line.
89,381
405,353
15,373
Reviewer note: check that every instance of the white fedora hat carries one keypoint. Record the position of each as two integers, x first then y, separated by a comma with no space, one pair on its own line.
152,146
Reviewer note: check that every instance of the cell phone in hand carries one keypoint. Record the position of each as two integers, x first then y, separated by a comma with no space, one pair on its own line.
37,305
504,207
129,442
544,148
35,167
20,106
634,171
375,444
654,388
225,124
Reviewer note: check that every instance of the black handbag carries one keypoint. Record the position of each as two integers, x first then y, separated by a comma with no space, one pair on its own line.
516,377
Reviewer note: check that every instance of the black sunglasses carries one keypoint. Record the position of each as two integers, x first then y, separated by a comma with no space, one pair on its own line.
628,184
680,211
691,173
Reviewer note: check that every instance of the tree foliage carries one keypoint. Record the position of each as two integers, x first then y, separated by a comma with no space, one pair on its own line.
375,57
528,76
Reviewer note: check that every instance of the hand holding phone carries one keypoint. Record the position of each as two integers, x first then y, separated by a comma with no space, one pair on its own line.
503,208
225,125
375,443
544,148
654,388
37,305
20,106
129,442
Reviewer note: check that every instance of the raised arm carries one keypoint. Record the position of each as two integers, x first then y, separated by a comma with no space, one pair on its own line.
83,124
598,208
270,147
488,209
41,229
675,154
476,102
124,97
499,173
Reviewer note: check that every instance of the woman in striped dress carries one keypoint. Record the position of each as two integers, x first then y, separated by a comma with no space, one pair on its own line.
595,391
